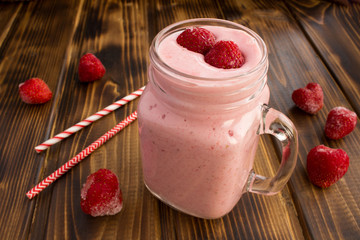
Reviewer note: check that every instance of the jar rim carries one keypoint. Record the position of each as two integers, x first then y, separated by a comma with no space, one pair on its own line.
182,25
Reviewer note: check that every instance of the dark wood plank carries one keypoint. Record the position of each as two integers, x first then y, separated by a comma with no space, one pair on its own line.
117,34
325,214
47,38
334,30
34,46
8,13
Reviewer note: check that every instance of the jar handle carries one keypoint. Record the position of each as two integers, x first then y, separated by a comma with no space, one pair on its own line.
278,125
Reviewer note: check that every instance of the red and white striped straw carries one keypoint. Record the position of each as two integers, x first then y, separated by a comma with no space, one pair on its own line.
80,125
78,158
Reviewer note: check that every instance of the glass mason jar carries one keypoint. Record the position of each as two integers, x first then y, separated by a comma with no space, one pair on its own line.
199,135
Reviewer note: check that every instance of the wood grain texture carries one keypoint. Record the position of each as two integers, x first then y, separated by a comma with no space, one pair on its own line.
325,214
334,30
8,15
47,38
33,47
119,40
338,50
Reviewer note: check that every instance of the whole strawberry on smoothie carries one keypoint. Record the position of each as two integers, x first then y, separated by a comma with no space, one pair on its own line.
200,116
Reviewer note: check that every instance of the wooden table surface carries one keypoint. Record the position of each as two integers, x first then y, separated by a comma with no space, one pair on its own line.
308,41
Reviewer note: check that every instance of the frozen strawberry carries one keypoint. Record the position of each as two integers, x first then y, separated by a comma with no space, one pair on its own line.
309,99
90,68
34,91
101,194
340,122
225,54
325,166
196,39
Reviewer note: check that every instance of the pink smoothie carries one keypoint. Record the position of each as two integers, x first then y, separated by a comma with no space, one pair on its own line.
193,63
197,154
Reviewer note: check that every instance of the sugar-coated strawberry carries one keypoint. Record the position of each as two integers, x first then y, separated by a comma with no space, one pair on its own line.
90,68
34,91
196,39
225,54
325,166
310,98
340,122
101,194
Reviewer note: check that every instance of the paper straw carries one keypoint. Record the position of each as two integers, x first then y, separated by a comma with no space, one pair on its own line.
80,125
78,158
